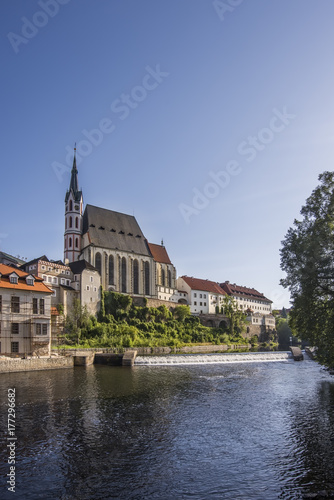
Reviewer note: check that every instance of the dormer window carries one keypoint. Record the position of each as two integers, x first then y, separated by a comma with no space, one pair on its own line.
130,234
101,227
113,230
92,225
13,278
121,232
30,280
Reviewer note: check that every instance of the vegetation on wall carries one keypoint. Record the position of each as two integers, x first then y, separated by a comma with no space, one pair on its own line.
122,324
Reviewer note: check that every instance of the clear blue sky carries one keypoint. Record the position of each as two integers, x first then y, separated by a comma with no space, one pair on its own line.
203,88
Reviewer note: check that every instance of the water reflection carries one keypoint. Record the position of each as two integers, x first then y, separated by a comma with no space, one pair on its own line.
248,431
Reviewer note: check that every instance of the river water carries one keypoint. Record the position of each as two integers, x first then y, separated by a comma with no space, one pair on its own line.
173,428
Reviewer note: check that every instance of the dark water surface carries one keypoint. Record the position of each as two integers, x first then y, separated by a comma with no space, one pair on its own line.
253,430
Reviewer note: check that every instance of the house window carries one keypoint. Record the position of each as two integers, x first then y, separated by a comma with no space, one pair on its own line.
38,328
204,296
95,289
13,279
200,303
15,347
195,303
15,328
195,294
41,306
30,281
200,296
34,306
91,279
205,303
87,288
15,305
54,280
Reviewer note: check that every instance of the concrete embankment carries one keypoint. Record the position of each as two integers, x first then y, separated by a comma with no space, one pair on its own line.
9,365
297,353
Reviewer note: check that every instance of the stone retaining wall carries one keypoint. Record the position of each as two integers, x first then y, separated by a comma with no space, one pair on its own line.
9,365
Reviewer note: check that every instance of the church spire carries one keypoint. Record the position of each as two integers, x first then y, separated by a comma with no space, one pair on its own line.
74,174
74,185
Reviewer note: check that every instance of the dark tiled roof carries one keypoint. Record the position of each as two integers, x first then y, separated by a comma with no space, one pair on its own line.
109,229
205,285
34,261
159,253
233,289
80,265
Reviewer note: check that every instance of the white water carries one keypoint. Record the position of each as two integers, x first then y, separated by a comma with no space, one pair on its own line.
194,359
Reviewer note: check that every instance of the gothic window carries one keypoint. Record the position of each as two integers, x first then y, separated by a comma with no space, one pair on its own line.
106,267
70,222
147,278
98,263
111,270
71,206
135,276
70,243
162,277
169,277
76,222
123,275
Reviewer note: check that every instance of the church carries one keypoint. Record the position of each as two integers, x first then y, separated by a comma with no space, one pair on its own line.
115,245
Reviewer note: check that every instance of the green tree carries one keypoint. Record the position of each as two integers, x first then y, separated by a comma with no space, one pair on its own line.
237,319
75,321
181,312
307,257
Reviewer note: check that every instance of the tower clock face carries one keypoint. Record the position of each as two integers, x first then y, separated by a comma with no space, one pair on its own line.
76,207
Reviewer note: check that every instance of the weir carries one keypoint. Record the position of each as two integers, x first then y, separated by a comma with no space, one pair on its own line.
194,359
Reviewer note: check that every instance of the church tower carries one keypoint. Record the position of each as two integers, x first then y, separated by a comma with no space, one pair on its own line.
73,217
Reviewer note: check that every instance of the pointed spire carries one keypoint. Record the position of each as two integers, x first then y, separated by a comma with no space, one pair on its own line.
74,174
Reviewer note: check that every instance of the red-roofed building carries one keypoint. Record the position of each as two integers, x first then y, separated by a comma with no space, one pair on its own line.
203,296
253,303
165,273
25,313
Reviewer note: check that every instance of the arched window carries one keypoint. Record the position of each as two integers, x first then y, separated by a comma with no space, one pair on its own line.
135,276
71,206
70,243
123,275
111,270
65,244
76,222
169,278
98,262
65,223
76,243
147,278
70,221
162,277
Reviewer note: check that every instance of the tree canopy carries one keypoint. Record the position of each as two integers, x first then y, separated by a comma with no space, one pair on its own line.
307,257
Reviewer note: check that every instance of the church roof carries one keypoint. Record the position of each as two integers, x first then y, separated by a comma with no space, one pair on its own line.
114,230
159,253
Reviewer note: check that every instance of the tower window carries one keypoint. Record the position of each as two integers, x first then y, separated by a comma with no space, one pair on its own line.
76,222
70,243
70,221
71,206
76,243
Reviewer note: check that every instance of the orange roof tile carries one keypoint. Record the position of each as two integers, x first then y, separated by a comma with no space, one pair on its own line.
38,285
204,285
159,253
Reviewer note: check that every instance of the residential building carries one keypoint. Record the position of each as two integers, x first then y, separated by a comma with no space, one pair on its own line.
203,296
25,313
165,273
87,283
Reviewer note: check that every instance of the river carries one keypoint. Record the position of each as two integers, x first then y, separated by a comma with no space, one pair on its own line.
189,427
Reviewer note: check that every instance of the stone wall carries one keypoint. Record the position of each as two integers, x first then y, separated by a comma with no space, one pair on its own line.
8,365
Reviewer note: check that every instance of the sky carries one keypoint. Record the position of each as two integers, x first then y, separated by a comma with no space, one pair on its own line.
209,121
